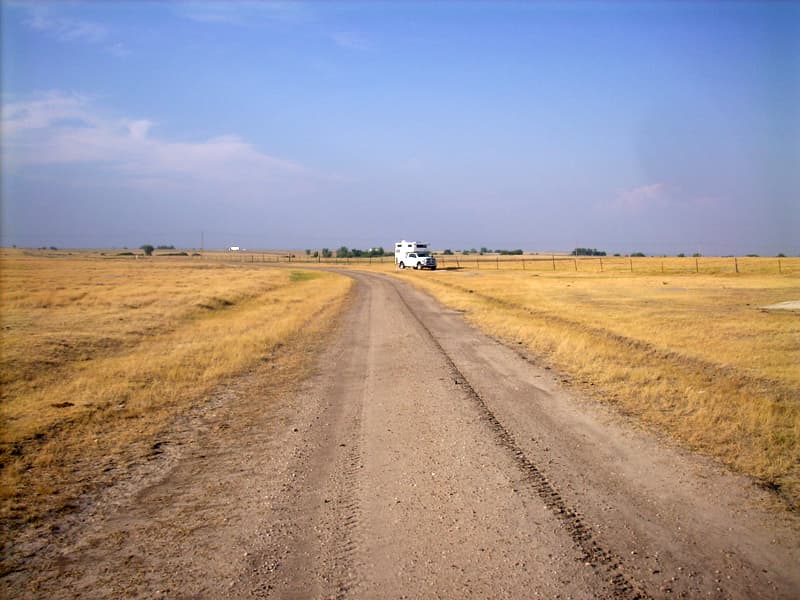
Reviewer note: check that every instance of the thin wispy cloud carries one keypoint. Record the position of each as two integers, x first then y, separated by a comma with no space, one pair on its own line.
52,22
350,40
242,13
642,197
65,29
64,129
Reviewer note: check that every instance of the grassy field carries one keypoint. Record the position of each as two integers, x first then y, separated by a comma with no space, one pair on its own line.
96,354
692,354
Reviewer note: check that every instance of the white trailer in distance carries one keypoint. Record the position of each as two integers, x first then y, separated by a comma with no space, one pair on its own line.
413,254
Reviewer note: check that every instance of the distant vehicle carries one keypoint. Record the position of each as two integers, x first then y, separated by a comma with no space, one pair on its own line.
234,249
413,254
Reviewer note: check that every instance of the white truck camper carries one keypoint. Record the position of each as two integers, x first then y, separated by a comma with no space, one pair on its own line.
413,254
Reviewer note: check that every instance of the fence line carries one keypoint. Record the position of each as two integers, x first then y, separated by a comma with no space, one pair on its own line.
546,263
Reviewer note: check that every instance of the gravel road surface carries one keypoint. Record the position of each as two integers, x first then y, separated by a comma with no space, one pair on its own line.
420,460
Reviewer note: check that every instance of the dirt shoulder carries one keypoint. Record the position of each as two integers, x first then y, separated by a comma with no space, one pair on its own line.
425,460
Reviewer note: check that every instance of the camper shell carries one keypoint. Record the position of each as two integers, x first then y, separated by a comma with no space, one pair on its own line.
413,254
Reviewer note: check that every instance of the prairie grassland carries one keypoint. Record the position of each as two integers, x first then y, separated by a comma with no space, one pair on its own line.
693,355
705,265
97,354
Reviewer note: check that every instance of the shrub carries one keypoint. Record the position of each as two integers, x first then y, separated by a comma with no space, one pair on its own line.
148,249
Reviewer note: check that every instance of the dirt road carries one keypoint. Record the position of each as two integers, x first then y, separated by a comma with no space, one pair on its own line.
422,460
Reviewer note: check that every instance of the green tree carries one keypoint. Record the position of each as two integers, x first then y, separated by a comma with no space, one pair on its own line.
588,252
148,249
326,253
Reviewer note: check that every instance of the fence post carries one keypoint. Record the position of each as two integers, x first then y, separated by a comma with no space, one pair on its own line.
477,264
662,267
575,260
736,263
696,265
630,259
554,262
601,264
497,264
458,264
523,264
780,270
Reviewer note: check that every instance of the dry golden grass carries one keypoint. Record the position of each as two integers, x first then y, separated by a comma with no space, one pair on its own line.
539,263
97,354
691,354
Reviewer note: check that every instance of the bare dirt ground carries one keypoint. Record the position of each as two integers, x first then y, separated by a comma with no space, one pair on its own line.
421,460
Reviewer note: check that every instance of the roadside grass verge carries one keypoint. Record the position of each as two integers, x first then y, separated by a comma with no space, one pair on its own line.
692,355
99,355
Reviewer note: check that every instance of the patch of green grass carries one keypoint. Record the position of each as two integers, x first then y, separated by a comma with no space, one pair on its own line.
303,276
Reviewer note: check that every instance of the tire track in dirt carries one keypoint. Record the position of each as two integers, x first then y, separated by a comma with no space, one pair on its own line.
594,554
348,517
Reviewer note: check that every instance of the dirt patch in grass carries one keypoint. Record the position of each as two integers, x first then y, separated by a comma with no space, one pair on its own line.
789,305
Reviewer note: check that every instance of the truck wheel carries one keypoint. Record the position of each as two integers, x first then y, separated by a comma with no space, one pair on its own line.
433,268
418,266
402,265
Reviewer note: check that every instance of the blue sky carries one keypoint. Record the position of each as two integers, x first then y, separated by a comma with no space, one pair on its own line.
660,127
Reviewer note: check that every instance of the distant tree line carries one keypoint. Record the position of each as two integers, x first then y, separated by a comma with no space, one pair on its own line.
485,250
588,252
148,249
345,252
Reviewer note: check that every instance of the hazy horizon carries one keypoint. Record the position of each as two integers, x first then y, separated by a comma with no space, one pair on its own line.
652,127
